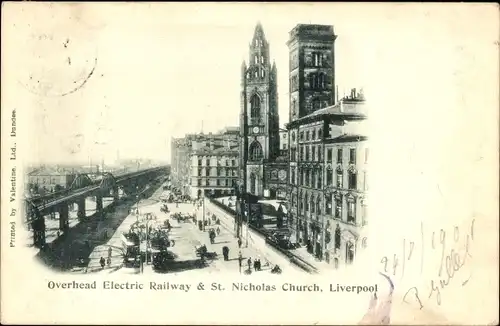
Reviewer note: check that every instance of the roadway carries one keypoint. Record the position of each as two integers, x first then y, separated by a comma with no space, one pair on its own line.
186,236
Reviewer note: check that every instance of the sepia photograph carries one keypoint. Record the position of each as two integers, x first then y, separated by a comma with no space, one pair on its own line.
263,193
249,163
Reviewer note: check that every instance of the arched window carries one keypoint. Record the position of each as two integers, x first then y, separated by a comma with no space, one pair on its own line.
261,59
256,59
294,107
337,237
318,206
316,104
255,106
255,151
349,253
321,80
312,81
256,73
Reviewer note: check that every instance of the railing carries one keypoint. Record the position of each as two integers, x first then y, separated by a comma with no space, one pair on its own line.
262,232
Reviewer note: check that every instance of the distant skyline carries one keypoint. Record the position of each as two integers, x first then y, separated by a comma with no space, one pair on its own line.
165,69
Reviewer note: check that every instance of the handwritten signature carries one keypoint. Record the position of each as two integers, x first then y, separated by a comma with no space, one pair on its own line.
451,261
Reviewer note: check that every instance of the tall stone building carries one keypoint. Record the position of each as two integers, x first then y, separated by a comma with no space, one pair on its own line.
180,163
260,171
328,152
312,69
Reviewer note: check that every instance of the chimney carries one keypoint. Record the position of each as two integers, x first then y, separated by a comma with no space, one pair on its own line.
353,93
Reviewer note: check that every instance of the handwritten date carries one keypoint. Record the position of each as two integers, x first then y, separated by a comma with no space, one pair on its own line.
451,261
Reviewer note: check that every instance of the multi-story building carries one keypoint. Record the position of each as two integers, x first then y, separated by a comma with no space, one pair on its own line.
180,163
214,164
49,179
312,69
345,183
318,206
263,172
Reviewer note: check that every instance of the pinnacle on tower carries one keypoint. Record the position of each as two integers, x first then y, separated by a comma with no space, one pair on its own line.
259,32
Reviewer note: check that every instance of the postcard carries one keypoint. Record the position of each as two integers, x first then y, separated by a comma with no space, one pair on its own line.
249,163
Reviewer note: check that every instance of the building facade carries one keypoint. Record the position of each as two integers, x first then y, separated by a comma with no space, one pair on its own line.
214,164
327,186
180,162
49,179
312,69
259,118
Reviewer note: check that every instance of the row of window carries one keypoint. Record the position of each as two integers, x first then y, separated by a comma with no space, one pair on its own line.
317,81
310,135
313,153
256,72
313,178
258,43
219,162
317,60
333,207
216,182
219,172
257,57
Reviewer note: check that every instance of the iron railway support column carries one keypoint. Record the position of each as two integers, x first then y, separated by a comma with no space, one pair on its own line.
98,204
115,194
63,217
81,209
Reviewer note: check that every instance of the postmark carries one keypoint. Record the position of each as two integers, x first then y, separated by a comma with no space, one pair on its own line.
58,65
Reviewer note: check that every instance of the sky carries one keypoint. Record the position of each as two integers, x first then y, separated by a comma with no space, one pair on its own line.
164,70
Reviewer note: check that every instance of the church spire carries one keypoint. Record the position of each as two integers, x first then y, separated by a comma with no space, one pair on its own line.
259,31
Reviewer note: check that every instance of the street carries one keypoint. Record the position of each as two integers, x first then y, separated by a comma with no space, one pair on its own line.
186,236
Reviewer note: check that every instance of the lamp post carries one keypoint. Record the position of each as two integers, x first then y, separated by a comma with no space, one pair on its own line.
203,198
248,225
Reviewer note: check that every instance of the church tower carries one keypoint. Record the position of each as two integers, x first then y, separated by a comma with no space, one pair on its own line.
259,119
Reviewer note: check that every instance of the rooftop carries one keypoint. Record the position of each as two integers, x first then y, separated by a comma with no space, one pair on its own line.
351,107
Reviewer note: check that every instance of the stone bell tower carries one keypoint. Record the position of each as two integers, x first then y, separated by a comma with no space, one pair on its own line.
259,119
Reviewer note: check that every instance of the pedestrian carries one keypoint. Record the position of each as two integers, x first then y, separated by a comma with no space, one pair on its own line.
256,265
249,262
102,262
110,251
109,261
239,242
218,230
225,253
240,259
